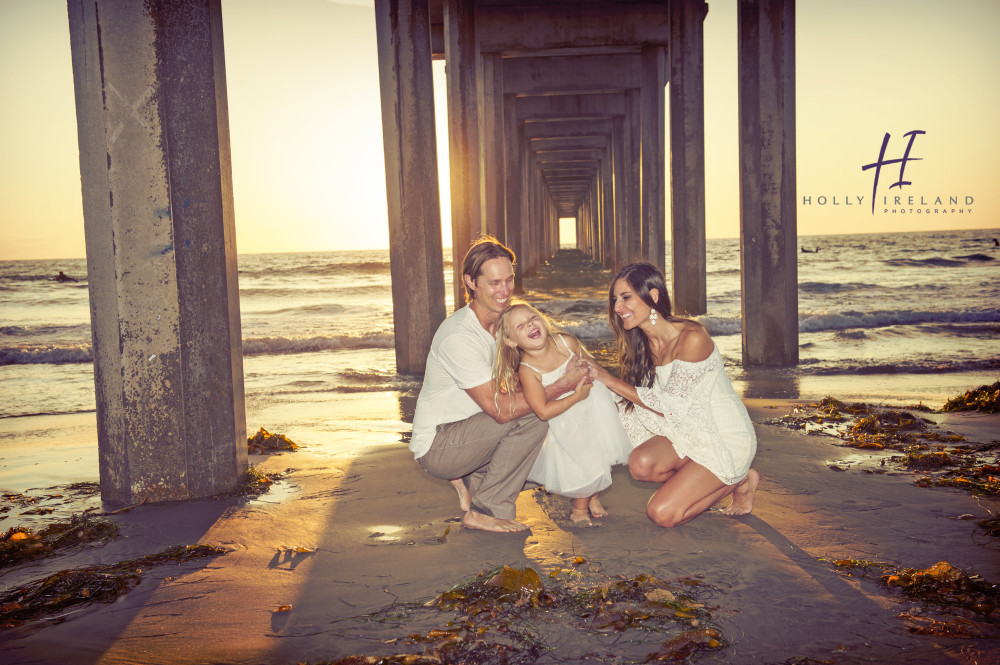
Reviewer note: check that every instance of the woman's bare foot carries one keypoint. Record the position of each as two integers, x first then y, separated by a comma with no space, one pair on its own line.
473,520
743,495
596,509
464,500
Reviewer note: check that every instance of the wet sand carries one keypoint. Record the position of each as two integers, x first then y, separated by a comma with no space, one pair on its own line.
375,526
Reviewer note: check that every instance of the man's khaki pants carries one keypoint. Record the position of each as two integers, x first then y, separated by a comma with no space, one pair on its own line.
493,459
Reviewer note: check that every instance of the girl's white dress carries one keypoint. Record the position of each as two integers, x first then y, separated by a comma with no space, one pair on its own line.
583,442
702,416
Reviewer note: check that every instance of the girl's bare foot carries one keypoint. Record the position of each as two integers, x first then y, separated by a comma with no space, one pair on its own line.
473,520
464,500
743,495
596,509
580,512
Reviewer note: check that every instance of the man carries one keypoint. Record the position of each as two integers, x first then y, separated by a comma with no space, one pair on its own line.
459,433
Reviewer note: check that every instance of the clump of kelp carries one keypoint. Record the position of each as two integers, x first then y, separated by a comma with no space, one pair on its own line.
256,481
923,448
265,443
973,604
21,542
509,616
984,398
100,584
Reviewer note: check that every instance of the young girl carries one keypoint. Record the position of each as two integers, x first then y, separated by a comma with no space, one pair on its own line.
583,441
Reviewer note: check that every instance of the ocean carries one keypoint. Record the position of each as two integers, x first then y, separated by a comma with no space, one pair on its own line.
893,318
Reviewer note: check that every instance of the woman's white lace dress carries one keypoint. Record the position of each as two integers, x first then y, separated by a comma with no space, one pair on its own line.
583,442
702,416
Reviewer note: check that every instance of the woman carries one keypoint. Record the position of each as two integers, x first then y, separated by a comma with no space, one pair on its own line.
691,431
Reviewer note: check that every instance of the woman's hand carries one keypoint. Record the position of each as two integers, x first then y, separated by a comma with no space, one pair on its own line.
614,384
598,373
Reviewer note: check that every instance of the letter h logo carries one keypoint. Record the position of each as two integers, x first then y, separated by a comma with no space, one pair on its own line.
882,161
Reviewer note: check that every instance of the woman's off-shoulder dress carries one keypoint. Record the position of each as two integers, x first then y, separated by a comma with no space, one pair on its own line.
703,417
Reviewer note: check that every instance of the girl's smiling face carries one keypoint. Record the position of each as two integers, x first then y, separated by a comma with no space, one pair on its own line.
527,331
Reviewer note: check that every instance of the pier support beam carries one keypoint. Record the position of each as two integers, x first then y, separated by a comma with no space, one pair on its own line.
463,134
687,156
156,177
654,78
767,182
411,178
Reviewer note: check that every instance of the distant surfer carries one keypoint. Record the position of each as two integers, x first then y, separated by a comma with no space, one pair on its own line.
809,251
996,243
63,277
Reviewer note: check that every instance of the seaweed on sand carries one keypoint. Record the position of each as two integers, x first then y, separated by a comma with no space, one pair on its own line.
985,398
20,543
942,585
264,442
924,448
508,615
102,584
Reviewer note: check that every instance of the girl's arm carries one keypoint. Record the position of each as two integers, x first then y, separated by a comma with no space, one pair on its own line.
534,394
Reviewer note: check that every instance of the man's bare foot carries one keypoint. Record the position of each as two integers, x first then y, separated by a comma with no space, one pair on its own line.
596,509
473,520
464,500
743,495
580,516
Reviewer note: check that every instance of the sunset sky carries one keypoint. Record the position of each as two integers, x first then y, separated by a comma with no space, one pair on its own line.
307,141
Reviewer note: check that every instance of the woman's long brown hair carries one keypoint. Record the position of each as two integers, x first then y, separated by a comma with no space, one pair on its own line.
637,365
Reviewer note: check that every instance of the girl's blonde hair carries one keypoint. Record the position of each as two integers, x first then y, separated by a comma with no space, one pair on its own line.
508,358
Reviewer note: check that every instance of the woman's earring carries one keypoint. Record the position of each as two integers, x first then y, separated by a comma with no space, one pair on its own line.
652,317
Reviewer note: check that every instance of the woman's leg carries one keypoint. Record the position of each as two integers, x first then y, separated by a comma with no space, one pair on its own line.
692,490
654,460
688,489
743,493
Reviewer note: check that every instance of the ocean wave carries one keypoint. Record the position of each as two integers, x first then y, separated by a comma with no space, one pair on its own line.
35,354
398,385
13,278
976,257
280,345
18,331
317,309
907,366
368,376
322,269
36,331
44,413
828,287
934,261
587,329
880,319
325,291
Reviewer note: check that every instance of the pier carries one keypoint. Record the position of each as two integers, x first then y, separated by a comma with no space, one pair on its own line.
555,109
558,110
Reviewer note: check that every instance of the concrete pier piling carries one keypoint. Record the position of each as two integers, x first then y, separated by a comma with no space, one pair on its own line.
161,250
